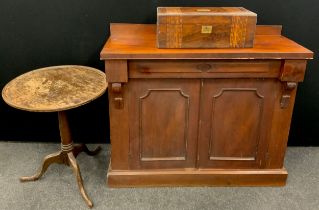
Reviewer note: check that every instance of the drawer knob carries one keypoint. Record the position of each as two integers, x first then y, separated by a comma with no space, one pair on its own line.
204,67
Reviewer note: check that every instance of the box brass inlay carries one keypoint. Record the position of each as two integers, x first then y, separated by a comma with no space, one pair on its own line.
207,29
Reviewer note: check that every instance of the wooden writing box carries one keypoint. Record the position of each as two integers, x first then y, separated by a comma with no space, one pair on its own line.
205,27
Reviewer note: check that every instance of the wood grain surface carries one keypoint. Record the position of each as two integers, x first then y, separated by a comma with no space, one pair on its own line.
55,88
205,27
235,121
163,123
138,41
194,177
204,68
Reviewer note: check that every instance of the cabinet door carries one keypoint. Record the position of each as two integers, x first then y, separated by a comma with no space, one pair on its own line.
235,122
163,123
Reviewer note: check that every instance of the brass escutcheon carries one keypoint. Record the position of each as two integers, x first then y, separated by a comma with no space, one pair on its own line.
207,29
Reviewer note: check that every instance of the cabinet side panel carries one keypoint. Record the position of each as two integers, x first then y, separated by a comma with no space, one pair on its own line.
280,130
119,129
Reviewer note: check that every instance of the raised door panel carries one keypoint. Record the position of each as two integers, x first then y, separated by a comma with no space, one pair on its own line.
235,122
163,123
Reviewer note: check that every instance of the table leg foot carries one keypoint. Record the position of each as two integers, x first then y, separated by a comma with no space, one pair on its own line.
47,161
83,148
75,167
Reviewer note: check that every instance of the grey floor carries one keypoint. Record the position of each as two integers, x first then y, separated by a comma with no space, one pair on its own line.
58,190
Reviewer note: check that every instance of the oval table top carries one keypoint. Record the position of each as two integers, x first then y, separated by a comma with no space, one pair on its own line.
55,88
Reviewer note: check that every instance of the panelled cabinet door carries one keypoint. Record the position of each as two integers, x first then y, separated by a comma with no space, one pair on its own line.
235,122
163,123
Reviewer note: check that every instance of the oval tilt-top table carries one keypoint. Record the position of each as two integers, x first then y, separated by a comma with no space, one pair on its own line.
57,89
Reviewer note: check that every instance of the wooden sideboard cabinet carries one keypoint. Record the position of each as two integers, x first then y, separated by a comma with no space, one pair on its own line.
194,117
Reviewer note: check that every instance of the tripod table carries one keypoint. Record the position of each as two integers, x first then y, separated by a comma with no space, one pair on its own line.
57,89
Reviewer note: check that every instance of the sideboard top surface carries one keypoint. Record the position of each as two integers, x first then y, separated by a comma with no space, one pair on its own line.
138,41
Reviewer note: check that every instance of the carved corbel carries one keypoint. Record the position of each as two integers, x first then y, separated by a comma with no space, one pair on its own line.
117,95
288,88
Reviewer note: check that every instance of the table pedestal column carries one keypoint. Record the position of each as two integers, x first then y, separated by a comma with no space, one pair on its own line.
66,156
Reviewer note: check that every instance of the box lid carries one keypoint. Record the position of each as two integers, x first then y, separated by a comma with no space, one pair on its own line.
202,14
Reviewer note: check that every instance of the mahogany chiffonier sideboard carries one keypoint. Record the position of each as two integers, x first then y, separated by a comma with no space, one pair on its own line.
200,117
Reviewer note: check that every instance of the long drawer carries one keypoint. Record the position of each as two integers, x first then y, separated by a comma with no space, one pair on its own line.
203,68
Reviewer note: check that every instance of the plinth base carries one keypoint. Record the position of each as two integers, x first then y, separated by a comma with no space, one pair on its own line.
200,177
